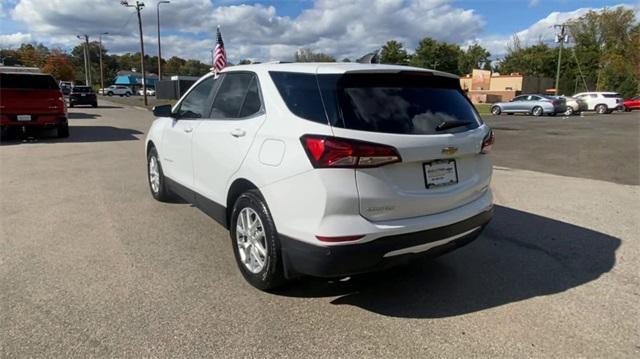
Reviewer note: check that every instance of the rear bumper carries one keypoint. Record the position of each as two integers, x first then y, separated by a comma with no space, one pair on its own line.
342,260
88,100
39,120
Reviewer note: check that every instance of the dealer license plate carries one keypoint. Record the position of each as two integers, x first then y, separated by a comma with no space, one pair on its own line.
24,118
440,173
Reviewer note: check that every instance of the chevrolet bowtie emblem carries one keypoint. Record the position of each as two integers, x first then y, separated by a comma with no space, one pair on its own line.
450,150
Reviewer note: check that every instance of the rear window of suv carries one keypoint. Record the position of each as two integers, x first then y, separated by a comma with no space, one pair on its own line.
82,89
401,103
611,95
27,81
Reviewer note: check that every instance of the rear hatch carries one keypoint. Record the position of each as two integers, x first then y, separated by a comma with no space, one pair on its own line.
433,126
29,94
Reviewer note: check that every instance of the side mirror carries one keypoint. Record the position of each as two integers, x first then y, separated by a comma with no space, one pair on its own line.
162,111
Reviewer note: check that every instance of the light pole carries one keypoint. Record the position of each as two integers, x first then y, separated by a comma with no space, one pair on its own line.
561,37
159,50
86,58
101,72
139,5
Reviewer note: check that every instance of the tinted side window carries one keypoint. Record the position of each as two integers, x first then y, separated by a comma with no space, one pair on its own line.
611,95
301,94
231,95
196,104
252,102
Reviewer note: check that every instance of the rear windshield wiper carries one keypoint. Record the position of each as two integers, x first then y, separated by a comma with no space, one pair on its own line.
451,124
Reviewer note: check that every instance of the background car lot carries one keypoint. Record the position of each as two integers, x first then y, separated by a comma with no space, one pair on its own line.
91,265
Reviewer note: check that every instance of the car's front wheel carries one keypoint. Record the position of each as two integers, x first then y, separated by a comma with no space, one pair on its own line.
157,183
495,110
537,111
256,245
109,93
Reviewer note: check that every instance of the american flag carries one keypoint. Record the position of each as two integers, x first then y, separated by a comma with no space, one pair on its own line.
219,56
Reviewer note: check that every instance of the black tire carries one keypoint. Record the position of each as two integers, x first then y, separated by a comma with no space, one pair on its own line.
537,111
162,194
63,130
551,114
569,111
272,274
127,94
95,104
71,105
496,110
601,109
109,93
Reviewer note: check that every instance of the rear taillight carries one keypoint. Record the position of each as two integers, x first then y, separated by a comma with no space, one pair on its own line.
334,152
487,142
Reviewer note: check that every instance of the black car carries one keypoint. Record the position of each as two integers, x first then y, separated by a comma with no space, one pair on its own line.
82,95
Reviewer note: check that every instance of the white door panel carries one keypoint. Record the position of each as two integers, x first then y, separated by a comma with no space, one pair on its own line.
176,151
219,147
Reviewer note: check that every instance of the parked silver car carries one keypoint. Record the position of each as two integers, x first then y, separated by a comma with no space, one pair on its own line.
536,105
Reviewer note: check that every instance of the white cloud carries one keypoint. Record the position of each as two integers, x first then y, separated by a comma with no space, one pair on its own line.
540,31
341,28
14,40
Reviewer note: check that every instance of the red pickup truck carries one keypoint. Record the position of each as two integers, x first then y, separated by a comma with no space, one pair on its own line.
29,100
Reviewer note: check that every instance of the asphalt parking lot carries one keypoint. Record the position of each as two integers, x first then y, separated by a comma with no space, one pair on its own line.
91,265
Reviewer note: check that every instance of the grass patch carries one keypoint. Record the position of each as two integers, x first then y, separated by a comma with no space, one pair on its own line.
483,108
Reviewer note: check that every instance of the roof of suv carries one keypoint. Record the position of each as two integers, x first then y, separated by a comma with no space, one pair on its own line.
331,68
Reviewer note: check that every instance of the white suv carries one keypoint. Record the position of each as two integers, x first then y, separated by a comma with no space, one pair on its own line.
326,169
601,102
116,90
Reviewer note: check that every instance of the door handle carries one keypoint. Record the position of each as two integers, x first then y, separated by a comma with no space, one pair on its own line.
188,129
238,132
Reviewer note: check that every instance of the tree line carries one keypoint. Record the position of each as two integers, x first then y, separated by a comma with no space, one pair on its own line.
603,55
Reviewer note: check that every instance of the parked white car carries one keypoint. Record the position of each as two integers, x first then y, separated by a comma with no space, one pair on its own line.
601,102
117,90
326,169
150,92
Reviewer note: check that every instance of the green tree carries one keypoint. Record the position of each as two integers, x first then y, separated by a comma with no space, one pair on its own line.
393,53
606,46
244,62
437,55
307,55
474,57
536,60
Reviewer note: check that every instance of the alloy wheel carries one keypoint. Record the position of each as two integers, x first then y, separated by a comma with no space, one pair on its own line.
154,174
251,240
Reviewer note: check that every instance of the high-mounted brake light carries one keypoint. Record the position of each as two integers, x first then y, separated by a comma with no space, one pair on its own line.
334,152
487,142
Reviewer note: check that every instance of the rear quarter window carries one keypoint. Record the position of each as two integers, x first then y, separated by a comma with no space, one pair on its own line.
301,94
612,95
27,81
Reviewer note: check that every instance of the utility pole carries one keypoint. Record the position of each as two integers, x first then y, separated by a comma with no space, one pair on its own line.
139,5
159,49
561,37
86,57
101,71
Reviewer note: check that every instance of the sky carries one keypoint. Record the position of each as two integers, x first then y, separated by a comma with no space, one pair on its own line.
264,30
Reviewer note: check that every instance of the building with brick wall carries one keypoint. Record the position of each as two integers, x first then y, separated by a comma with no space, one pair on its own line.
483,86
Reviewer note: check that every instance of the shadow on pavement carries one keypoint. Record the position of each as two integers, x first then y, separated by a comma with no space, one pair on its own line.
519,256
82,116
76,134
